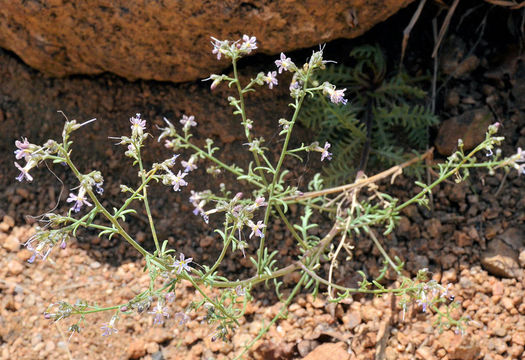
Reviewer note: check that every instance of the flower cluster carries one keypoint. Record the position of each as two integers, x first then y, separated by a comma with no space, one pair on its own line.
234,50
44,241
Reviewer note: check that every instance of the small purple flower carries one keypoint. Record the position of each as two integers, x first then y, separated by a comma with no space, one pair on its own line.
189,165
138,125
338,97
217,47
259,202
248,44
240,291
109,328
24,171
423,301
182,264
271,79
170,297
188,121
160,313
23,149
325,154
178,181
446,293
256,228
171,161
40,251
79,199
182,317
284,63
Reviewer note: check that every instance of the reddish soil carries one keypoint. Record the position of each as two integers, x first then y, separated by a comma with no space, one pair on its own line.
451,240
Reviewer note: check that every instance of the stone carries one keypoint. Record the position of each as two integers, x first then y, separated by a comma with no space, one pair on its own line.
514,237
14,267
136,349
329,350
170,40
470,126
11,243
458,346
9,221
351,320
500,259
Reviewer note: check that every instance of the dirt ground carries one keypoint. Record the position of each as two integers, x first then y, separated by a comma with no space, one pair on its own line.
467,224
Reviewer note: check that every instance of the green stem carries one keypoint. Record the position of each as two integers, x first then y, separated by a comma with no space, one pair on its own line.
146,204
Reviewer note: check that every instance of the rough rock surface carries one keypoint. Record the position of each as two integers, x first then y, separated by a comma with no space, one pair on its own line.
167,40
470,126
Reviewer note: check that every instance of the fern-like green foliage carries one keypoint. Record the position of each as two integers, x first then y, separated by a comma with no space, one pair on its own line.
383,123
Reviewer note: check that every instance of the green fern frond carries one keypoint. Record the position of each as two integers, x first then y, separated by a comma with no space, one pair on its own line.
393,104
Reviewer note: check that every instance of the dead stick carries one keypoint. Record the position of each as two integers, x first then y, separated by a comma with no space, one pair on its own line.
360,183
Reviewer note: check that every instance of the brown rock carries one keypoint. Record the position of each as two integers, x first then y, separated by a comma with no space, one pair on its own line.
351,320
14,267
9,221
136,349
522,258
329,350
470,126
514,237
462,239
501,260
458,346
169,40
11,243
519,338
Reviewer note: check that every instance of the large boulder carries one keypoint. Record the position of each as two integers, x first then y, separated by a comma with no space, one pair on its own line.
169,40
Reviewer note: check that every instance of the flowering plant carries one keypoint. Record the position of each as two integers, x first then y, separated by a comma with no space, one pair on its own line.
242,213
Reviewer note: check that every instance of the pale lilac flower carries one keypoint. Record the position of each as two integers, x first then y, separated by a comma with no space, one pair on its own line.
284,123
188,121
218,47
24,171
217,79
199,208
109,328
336,96
257,203
256,228
271,79
248,44
178,181
190,164
195,197
446,293
138,125
182,317
160,313
423,301
284,63
182,264
173,159
325,154
79,199
38,251
170,297
240,291
23,149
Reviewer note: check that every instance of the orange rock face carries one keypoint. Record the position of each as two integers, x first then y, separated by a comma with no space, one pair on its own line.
169,40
